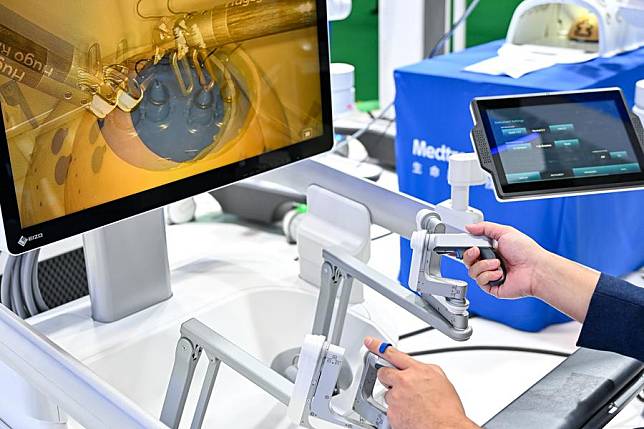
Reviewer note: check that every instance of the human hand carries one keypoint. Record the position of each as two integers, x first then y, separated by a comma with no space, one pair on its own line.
522,257
420,396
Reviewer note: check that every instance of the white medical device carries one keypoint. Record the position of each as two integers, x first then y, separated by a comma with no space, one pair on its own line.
308,378
575,30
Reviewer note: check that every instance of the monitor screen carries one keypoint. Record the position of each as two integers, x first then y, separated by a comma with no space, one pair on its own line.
561,142
114,108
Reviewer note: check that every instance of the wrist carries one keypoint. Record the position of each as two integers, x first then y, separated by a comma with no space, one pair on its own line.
468,424
565,285
461,424
544,276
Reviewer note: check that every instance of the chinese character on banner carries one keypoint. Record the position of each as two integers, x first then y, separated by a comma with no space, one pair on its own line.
417,168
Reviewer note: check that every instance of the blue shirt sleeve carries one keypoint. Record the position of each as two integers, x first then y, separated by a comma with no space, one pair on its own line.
615,319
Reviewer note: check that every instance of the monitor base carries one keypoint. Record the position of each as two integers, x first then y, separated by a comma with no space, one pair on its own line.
127,266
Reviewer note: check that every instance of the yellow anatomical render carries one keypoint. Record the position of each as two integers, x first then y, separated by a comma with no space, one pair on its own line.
73,160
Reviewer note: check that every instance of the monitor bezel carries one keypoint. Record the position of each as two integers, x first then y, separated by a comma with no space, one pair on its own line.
484,144
105,214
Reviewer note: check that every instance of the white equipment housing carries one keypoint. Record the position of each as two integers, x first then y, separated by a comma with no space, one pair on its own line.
633,11
541,27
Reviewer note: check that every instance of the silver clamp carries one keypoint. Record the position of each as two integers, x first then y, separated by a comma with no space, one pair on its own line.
429,244
317,377
320,364
365,404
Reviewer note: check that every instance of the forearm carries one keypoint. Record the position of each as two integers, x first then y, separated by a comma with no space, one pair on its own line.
565,285
615,318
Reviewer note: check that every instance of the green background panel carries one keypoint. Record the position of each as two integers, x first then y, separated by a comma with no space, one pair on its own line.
355,40
490,21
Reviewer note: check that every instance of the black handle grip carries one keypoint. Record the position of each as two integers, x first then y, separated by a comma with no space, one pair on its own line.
488,253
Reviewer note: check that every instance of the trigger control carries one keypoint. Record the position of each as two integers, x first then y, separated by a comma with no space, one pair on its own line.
489,253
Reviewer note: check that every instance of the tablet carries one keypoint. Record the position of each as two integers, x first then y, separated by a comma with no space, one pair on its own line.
554,144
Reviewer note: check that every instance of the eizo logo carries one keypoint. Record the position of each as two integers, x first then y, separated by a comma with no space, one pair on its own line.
422,149
24,240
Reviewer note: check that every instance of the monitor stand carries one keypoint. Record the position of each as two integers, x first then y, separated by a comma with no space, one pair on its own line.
127,266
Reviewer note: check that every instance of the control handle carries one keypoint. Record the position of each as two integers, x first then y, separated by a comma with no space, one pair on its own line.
370,410
489,253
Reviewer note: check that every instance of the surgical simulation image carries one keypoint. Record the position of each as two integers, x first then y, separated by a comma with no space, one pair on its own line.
100,103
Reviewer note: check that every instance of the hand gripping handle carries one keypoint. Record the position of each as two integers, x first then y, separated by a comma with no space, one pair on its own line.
489,253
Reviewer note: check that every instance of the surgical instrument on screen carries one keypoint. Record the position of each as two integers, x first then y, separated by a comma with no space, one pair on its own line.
187,41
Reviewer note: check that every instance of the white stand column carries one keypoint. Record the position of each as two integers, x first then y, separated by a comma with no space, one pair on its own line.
127,266
332,221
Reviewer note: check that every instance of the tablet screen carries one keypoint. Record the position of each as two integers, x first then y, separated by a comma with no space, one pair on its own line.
561,141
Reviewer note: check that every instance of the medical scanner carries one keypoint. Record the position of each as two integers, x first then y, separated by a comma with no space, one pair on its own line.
568,29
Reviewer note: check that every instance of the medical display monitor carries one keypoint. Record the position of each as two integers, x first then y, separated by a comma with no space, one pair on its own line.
114,108
559,143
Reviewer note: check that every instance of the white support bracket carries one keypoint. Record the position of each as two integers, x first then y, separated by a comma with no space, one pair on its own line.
332,221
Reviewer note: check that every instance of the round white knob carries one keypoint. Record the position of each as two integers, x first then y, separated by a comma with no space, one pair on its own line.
639,94
465,170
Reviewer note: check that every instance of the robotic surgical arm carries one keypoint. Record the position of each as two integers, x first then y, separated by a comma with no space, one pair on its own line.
318,371
434,232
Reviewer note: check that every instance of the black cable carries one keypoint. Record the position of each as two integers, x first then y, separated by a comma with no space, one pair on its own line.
448,36
382,236
382,135
489,348
416,332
